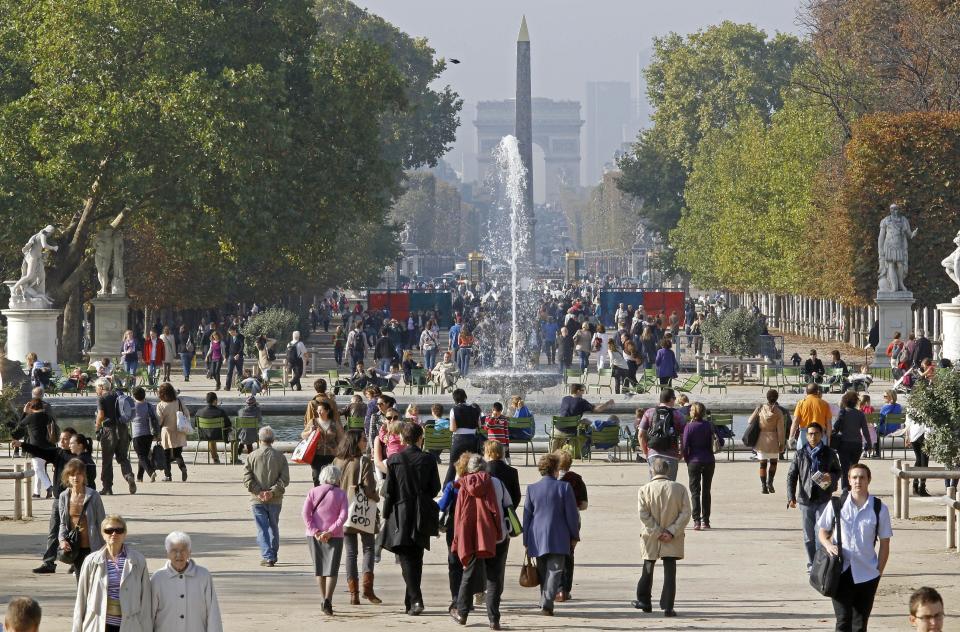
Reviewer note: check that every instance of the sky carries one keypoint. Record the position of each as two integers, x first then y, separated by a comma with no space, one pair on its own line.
572,41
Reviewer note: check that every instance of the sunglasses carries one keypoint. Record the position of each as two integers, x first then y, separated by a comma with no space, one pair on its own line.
392,418
114,530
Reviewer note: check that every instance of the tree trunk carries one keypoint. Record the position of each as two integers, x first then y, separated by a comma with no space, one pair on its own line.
70,334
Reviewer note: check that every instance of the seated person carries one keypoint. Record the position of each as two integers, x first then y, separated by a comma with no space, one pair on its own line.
861,380
445,372
574,405
519,409
41,373
246,437
104,368
356,408
359,380
251,383
841,379
213,411
890,407
813,368
77,380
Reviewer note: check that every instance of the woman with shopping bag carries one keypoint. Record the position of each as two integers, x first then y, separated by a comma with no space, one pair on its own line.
324,434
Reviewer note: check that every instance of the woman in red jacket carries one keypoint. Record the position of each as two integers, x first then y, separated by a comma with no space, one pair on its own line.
480,539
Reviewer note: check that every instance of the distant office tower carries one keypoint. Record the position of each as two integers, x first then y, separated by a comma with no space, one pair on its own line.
609,121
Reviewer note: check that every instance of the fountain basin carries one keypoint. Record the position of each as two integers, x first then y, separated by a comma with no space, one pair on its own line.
507,383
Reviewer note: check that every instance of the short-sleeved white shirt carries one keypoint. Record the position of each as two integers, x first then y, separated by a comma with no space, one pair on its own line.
858,526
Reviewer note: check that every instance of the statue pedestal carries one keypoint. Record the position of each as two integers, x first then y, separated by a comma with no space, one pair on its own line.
951,330
32,330
109,323
895,314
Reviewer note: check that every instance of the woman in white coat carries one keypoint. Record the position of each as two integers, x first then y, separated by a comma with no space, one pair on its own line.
113,593
184,599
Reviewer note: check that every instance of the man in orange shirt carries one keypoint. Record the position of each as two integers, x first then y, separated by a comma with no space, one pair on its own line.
811,409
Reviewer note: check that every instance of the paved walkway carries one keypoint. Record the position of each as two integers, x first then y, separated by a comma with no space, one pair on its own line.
746,574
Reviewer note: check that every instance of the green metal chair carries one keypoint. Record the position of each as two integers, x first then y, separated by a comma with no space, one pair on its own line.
793,379
525,424
688,384
275,379
894,423
606,439
417,380
143,380
833,379
771,378
209,425
708,374
726,419
604,381
240,423
565,430
355,423
882,373
572,376
437,440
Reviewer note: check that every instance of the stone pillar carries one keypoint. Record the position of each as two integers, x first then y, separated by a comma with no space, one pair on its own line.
523,126
110,321
32,330
895,314
951,330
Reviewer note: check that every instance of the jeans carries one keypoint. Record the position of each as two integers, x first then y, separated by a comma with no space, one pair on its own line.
584,360
853,603
673,462
669,591
701,478
411,566
350,543
810,514
141,446
152,372
215,367
186,359
463,360
920,459
849,453
234,365
355,356
550,568
461,443
429,358
114,441
384,365
338,355
267,517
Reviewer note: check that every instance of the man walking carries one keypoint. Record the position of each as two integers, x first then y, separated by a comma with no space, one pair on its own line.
114,438
810,409
266,475
817,469
660,431
356,344
860,517
235,342
664,507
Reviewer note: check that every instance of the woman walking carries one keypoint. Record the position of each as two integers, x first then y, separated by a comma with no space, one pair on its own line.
697,446
464,423
339,344
666,361
114,592
144,429
331,433
128,351
771,441
324,514
599,344
169,352
171,438
39,427
466,341
357,473
849,433
264,345
81,509
429,343
185,351
214,358
183,579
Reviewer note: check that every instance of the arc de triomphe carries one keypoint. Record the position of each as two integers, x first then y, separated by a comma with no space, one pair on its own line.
556,130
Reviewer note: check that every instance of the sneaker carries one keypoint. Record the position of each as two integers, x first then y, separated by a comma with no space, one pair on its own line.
271,563
132,483
45,569
167,479
264,562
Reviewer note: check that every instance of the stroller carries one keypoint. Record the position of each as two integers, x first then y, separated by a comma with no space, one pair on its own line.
907,381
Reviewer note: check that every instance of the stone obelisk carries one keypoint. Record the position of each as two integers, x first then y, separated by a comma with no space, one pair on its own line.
524,134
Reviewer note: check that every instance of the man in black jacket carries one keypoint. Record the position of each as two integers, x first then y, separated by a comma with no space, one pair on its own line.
59,456
816,468
213,411
498,468
923,349
384,352
410,515
235,342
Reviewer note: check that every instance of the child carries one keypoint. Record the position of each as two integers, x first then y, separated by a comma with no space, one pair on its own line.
498,429
390,436
251,383
411,414
356,408
437,422
866,409
683,405
796,359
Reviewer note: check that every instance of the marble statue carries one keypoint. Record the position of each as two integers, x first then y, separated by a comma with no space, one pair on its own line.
952,266
405,234
109,252
892,245
31,289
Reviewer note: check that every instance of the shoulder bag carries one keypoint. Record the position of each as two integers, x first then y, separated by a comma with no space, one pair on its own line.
529,577
752,434
183,422
827,568
362,514
73,538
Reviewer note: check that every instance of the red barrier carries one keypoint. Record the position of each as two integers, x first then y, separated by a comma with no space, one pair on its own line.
663,302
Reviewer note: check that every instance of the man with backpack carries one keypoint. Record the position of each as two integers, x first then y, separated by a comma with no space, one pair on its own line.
115,410
356,344
858,516
659,433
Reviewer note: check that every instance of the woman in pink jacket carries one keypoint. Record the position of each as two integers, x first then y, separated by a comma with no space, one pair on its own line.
324,514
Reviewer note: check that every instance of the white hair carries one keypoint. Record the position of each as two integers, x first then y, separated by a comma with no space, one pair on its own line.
475,464
330,475
37,392
660,466
102,384
177,538
295,336
265,434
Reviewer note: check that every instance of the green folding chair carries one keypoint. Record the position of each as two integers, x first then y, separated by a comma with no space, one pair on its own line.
248,423
726,419
566,430
437,440
606,439
355,423
526,425
210,425
604,381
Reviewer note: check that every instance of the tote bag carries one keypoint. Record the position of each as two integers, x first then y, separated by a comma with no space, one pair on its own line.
183,422
306,449
362,514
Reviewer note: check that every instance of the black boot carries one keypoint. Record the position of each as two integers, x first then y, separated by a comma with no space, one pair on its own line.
763,483
770,484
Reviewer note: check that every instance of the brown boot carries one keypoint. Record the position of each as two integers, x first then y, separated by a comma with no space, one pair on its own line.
354,592
368,589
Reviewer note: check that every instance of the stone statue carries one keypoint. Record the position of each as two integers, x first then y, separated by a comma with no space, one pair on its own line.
31,289
892,250
405,234
109,251
952,266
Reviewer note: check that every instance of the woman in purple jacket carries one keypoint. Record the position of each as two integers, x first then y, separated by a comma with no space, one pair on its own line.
324,514
666,362
698,453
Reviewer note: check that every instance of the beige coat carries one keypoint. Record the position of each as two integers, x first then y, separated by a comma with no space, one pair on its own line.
185,602
664,505
90,610
351,473
170,437
772,433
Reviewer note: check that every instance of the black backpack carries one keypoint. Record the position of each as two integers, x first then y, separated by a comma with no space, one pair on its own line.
663,433
293,354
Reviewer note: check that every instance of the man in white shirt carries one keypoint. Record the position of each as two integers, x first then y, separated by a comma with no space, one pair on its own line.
864,521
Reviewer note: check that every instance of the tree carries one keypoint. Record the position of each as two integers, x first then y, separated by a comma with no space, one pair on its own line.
936,405
611,216
655,177
736,332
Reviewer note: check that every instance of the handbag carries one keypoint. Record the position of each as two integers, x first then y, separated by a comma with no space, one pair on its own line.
529,577
826,568
715,442
362,514
183,422
752,434
73,539
514,521
306,449
158,456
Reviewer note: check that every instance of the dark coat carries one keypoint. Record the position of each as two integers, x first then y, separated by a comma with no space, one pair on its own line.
233,346
923,349
410,515
801,471
36,428
508,476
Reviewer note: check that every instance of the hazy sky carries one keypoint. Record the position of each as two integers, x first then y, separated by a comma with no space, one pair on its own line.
573,41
